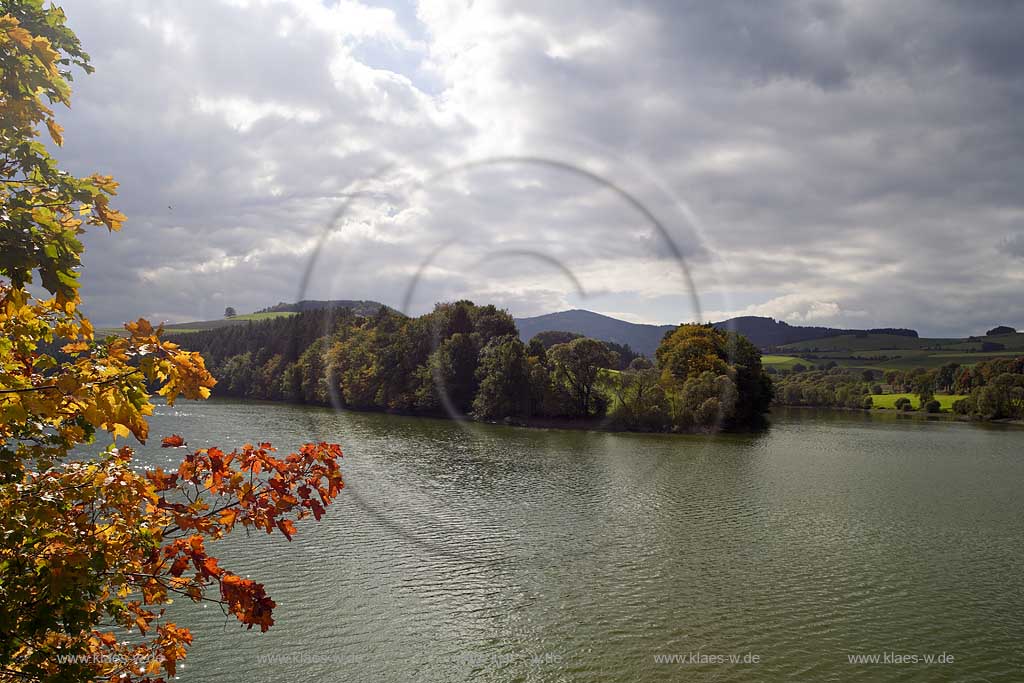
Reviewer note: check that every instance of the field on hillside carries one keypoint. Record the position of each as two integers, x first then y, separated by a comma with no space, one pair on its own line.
893,352
225,322
882,342
871,342
781,362
898,359
201,325
889,400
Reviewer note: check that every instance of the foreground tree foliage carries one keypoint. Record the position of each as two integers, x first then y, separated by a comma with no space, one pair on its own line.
91,549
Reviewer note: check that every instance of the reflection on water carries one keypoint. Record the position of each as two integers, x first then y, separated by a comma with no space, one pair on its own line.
503,554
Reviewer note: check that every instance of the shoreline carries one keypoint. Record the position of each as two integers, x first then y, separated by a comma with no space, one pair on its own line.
946,416
601,425
560,423
920,414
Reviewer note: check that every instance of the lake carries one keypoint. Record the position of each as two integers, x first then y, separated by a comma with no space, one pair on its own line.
492,553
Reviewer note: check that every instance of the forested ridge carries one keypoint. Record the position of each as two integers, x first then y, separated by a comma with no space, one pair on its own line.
468,359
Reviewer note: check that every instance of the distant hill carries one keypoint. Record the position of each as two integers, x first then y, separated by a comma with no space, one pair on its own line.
642,338
358,306
765,333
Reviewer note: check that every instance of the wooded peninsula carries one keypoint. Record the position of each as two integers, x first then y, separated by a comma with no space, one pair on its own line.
465,359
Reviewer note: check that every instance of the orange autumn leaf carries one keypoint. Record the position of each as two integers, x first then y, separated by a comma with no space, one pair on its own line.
227,517
248,601
172,441
162,481
179,566
287,527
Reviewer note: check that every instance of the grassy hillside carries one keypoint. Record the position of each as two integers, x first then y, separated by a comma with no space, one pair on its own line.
226,322
201,325
781,362
892,352
889,400
878,342
870,342
281,310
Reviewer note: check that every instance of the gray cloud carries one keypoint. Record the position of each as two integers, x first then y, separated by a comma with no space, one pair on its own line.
852,163
1014,244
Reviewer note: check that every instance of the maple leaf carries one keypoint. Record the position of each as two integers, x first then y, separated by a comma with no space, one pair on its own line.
172,441
227,517
179,566
287,527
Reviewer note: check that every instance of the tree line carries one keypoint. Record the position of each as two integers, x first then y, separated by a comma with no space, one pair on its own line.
993,389
468,359
825,386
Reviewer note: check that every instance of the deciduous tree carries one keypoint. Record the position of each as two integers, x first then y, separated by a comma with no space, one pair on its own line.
92,549
578,364
504,377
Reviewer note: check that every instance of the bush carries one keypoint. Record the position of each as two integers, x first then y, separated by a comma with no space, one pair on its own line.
708,413
964,406
932,406
869,403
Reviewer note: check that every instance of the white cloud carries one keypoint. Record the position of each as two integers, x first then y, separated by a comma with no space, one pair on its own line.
816,308
241,113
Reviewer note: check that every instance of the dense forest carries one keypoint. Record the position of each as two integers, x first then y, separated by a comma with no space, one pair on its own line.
988,390
465,359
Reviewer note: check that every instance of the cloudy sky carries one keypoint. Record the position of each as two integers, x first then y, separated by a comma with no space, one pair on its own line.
843,163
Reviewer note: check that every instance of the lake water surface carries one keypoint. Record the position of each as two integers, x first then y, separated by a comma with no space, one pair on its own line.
510,554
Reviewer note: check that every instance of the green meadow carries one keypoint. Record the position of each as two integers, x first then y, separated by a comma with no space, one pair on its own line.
889,400
781,362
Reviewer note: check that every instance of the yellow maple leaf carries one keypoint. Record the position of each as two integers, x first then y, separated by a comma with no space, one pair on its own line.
56,132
